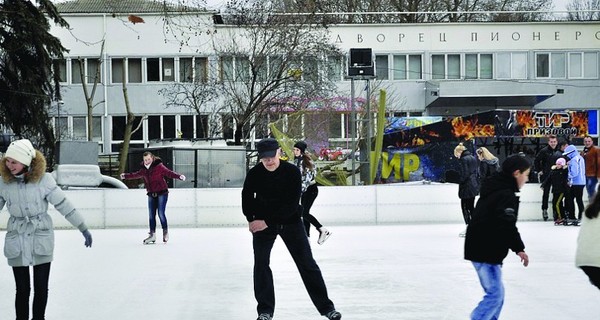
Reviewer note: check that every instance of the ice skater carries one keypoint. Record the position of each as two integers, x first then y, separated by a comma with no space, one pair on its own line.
27,189
493,231
587,256
271,204
468,187
153,171
309,190
558,180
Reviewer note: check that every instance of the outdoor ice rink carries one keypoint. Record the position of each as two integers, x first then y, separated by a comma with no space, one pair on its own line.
398,272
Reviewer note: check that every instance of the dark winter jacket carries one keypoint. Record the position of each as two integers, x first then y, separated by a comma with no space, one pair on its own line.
558,179
154,176
272,196
488,168
545,159
493,230
469,182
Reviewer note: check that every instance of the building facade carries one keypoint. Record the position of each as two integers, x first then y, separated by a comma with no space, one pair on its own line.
443,69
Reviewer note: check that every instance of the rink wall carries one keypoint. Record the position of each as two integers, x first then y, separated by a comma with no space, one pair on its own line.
364,205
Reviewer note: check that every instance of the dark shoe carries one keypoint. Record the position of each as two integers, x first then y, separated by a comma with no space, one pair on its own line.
264,316
545,215
333,315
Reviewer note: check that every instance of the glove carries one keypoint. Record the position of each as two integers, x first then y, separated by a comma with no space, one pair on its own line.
88,238
182,177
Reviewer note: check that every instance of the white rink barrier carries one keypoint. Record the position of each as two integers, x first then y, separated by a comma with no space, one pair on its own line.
350,205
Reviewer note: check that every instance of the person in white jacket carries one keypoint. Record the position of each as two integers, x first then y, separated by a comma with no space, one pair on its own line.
26,189
587,256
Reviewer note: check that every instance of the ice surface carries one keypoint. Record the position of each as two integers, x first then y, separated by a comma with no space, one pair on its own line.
372,272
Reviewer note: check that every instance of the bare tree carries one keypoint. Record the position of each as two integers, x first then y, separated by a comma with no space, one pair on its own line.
584,10
129,129
89,96
266,62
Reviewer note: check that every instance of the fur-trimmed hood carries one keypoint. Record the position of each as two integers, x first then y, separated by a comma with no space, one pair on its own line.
34,173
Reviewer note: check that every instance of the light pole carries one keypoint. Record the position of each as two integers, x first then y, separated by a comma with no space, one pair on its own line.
59,103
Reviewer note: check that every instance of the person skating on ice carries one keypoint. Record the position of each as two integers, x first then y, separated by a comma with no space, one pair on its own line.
153,171
309,190
26,189
271,205
468,186
558,180
493,232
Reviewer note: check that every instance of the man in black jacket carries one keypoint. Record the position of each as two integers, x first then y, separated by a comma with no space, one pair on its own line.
493,232
544,160
270,202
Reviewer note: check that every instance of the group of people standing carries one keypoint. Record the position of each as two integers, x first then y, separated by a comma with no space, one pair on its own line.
491,224
565,172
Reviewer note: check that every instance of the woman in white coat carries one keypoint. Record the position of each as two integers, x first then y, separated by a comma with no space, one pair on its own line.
26,189
587,256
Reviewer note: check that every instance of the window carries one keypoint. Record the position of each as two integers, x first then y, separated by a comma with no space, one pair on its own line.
382,67
227,126
93,70
117,70
478,66
202,126
227,68
168,69
169,127
511,65
310,69
407,67
200,69
118,128
334,68
550,65
60,67
80,128
154,128
134,70
152,69
445,66
76,70
186,73
583,65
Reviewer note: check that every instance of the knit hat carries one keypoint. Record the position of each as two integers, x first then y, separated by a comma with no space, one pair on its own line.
301,145
561,161
267,148
22,151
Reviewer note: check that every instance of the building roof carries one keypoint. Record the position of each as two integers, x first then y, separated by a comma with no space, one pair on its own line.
123,6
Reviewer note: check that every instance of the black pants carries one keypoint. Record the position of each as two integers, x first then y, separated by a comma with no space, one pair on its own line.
545,194
575,195
593,273
558,208
467,205
41,274
294,237
307,200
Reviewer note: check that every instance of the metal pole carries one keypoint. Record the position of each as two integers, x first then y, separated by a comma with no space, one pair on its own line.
369,127
353,130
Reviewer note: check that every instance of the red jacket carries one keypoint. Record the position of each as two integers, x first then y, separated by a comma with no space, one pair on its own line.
154,176
592,161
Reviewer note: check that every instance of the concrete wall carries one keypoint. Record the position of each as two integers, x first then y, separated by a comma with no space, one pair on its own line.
367,205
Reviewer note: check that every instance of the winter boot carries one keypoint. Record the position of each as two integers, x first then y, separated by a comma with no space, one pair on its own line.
151,238
165,235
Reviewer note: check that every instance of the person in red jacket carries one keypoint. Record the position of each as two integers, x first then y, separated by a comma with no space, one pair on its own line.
591,156
153,171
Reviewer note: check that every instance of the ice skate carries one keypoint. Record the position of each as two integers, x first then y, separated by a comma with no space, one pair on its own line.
463,233
333,315
323,235
165,236
559,222
264,316
151,238
545,214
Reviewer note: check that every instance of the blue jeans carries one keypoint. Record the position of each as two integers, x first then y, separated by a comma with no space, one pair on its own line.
490,277
296,241
590,186
157,204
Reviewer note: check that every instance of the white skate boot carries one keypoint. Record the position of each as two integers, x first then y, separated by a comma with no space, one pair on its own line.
151,238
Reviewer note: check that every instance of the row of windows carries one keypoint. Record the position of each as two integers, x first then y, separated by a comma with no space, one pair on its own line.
157,127
501,65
